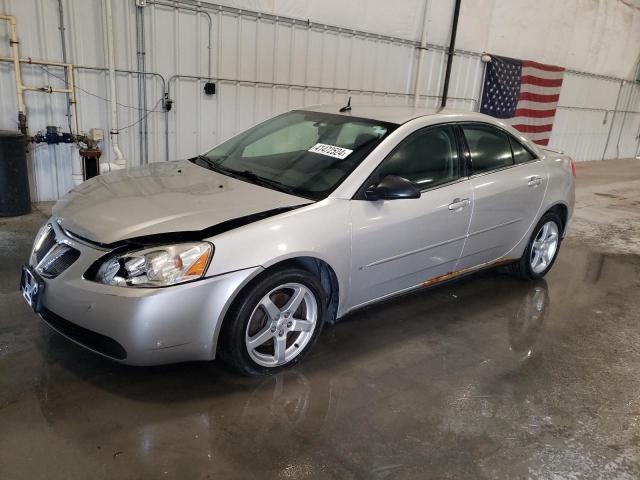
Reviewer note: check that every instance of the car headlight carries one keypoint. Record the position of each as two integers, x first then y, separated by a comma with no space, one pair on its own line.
157,266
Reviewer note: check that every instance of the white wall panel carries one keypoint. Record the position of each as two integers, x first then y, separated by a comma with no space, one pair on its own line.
587,122
624,134
589,35
51,170
262,66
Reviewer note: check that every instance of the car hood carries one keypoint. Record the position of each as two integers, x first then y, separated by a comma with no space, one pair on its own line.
161,198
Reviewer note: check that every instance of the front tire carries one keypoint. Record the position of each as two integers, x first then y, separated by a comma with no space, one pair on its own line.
274,322
542,249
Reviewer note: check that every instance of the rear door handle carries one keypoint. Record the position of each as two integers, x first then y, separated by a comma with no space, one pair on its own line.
534,181
458,204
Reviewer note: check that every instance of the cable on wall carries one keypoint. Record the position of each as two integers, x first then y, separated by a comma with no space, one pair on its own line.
96,95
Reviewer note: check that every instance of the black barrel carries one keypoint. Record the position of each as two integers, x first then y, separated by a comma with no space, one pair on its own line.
14,180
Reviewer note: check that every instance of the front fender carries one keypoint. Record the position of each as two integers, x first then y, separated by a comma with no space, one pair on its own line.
321,230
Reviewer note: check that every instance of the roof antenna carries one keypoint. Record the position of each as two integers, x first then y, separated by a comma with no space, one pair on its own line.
347,107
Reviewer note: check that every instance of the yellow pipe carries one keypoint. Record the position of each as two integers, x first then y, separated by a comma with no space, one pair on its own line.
36,62
13,40
28,88
71,90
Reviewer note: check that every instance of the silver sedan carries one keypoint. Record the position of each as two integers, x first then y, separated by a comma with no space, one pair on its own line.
246,251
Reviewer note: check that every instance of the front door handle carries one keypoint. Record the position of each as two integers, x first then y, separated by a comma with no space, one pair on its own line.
459,204
534,181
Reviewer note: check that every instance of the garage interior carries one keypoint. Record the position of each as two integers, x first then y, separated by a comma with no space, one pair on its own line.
483,377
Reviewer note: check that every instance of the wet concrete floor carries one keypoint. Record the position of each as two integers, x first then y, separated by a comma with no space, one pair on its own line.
487,377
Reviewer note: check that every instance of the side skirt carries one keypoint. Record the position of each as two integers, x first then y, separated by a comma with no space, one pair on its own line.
432,282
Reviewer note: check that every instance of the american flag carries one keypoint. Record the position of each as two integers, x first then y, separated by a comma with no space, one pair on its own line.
524,94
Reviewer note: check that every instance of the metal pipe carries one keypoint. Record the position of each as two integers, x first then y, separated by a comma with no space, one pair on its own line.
451,52
70,90
83,67
309,87
111,60
140,80
613,118
145,123
580,73
29,88
51,63
21,88
421,52
142,85
86,67
76,162
199,10
591,109
63,45
15,49
484,59
124,70
219,8
274,84
624,119
202,7
72,100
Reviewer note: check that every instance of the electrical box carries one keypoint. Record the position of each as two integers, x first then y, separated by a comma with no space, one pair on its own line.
210,88
96,134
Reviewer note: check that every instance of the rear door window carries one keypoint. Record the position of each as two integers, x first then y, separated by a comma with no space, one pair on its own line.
489,148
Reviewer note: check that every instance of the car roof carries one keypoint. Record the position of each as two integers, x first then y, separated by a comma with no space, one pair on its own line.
399,114
402,114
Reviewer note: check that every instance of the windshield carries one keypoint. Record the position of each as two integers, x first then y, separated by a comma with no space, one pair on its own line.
302,153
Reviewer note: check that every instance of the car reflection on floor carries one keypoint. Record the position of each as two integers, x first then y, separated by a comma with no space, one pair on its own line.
162,413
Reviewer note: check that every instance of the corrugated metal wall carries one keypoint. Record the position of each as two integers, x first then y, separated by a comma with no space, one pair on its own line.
597,114
262,65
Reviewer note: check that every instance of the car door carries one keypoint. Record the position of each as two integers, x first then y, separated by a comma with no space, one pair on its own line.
397,244
508,185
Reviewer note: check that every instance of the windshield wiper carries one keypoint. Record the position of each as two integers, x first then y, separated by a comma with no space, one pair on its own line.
265,182
212,165
247,175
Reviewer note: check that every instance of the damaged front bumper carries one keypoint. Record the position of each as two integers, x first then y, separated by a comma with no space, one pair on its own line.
137,326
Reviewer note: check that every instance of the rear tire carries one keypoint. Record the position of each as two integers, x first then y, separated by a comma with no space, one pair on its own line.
542,249
273,323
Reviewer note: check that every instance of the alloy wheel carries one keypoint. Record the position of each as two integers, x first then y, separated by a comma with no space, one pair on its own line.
545,246
281,325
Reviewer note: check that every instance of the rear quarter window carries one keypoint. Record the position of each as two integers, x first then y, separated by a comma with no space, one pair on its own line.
520,152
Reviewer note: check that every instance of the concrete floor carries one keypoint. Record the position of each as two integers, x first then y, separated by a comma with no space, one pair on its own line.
488,377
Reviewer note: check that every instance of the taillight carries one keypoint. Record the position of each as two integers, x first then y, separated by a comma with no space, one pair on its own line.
573,167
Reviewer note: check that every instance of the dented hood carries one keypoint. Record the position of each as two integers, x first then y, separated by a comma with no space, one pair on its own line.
162,198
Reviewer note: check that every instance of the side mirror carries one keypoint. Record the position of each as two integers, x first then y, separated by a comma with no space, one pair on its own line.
392,187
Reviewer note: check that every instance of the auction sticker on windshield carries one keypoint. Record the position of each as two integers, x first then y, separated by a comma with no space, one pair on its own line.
330,150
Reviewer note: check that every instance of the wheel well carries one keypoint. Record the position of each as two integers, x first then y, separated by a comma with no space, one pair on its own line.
562,211
319,268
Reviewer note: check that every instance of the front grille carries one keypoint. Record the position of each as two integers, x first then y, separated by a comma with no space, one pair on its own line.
47,244
88,338
60,258
50,257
